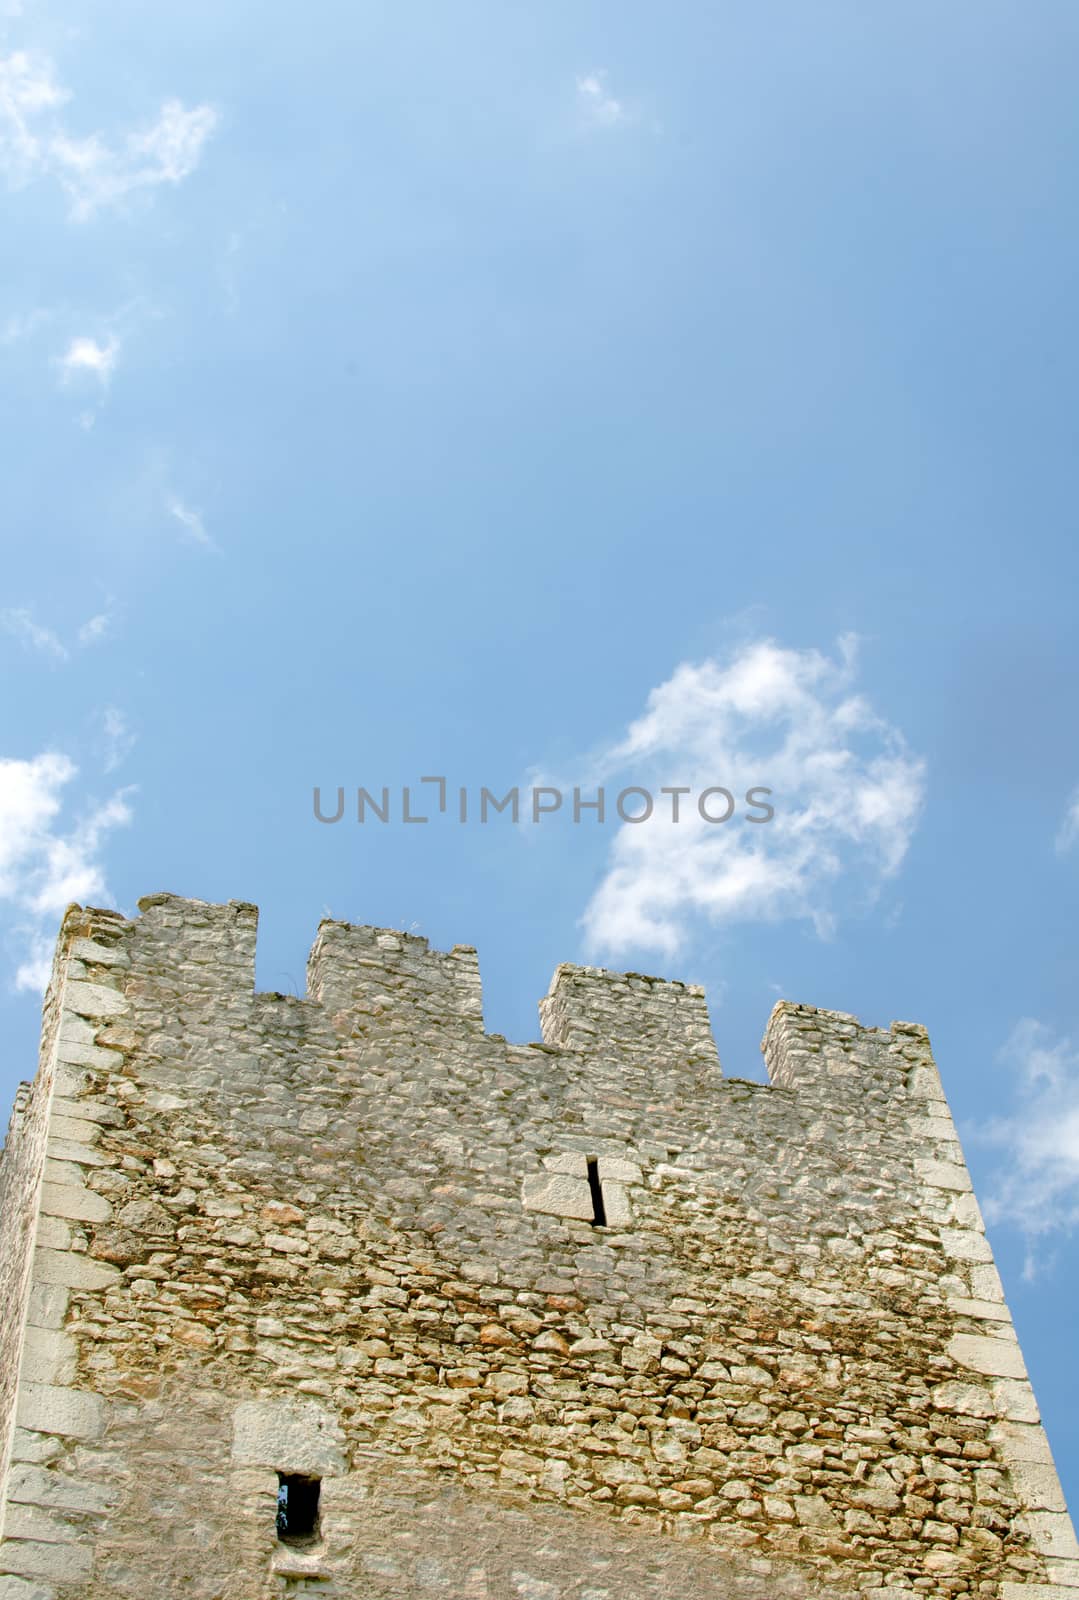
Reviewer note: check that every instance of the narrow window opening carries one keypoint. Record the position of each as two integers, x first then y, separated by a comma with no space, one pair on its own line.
599,1215
297,1508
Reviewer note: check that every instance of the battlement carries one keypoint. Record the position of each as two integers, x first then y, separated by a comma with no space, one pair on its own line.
526,1315
383,977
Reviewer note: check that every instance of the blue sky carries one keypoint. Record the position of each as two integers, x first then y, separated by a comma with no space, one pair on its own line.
580,393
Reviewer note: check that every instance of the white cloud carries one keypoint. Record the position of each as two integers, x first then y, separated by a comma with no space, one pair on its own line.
34,142
86,356
21,625
1036,1188
1068,834
596,104
95,628
191,521
43,865
119,740
19,622
847,794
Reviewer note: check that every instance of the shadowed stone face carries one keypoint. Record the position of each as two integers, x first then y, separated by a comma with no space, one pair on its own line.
572,1321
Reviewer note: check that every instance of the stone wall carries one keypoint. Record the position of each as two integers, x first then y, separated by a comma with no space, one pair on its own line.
353,1237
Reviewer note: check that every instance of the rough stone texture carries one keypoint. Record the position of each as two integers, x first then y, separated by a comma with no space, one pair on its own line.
346,1236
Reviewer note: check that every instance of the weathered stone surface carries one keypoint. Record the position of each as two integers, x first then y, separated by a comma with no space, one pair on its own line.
557,1195
352,1236
291,1436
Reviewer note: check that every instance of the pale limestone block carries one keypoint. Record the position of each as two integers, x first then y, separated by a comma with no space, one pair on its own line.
102,955
1063,1572
52,1233
83,1155
77,1128
1037,1486
64,1172
981,1310
76,1030
34,1448
50,1408
965,1244
77,1204
36,1486
558,1196
569,1162
158,1100
614,1170
97,1111
81,1053
93,1000
967,1399
616,1205
296,1563
1015,1400
48,1306
22,1589
73,1271
985,1284
48,1356
1037,1591
1052,1533
943,1175
288,1435
30,1558
1021,1442
31,1522
994,1358
966,1212
924,1084
935,1127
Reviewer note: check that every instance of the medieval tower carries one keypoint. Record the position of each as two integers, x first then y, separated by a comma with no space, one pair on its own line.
345,1297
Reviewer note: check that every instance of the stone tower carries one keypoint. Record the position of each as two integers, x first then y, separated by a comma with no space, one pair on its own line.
343,1296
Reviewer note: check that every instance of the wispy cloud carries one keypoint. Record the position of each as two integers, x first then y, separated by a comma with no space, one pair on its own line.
19,622
847,794
44,865
95,628
35,141
597,106
191,522
86,357
1068,833
1036,1187
26,324
119,740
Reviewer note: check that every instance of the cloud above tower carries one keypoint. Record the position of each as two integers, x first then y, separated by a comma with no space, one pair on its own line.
846,788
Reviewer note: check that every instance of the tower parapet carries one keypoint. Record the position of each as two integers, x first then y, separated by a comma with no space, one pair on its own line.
492,1320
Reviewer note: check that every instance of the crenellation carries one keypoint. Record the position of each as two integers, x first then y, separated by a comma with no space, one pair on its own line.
579,1319
589,1008
379,973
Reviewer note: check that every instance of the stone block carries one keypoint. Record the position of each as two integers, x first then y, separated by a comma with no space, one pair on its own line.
48,1356
1037,1485
938,1174
558,1196
40,1486
290,1436
612,1169
993,1358
76,1203
73,1271
53,1408
32,1558
93,1000
1052,1533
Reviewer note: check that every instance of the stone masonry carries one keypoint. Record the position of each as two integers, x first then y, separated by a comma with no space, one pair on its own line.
579,1320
